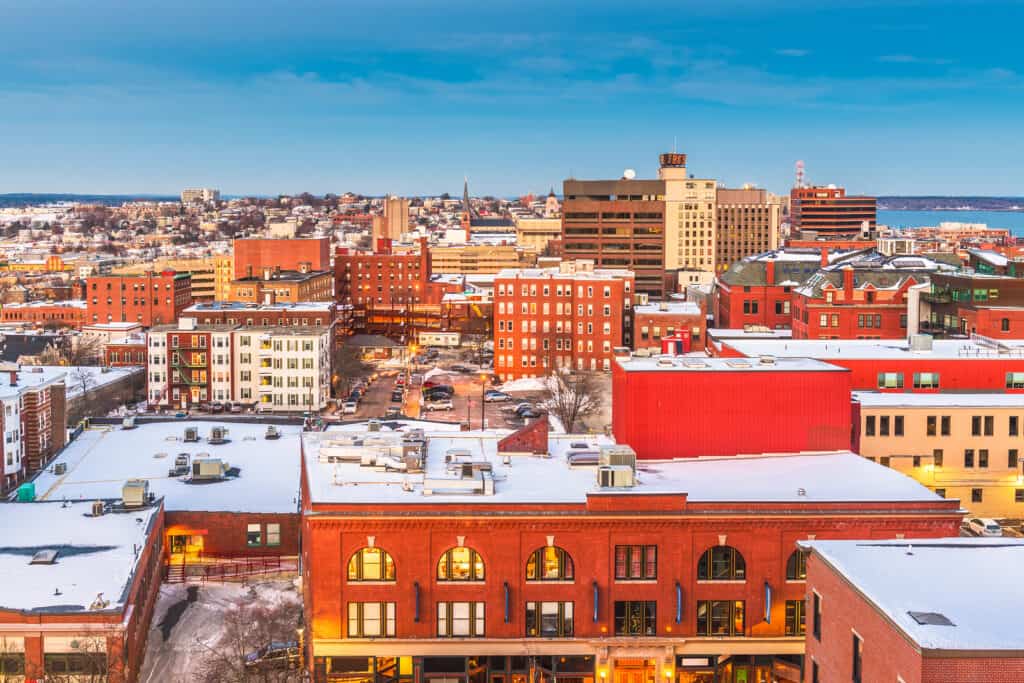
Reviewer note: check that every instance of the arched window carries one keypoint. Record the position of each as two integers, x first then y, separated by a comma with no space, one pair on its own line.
796,566
460,564
549,563
721,563
371,564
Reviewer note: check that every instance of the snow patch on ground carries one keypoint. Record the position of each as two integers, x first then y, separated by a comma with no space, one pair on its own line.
525,384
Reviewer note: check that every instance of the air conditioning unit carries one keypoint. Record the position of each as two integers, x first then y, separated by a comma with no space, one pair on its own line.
208,469
135,493
218,435
272,433
615,476
191,434
60,468
128,422
97,508
373,425
618,455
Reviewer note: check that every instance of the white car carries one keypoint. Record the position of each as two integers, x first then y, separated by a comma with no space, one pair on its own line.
438,405
349,408
982,526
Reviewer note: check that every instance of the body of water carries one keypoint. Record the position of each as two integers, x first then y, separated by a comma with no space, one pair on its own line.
1014,220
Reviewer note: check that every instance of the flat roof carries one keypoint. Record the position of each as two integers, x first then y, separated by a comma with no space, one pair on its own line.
100,460
231,306
670,308
95,555
969,581
873,399
871,349
699,363
739,333
336,474
30,377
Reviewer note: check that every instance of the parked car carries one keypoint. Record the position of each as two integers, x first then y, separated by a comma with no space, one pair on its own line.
349,408
437,393
982,526
400,381
276,655
460,368
216,407
522,408
393,412
236,407
495,396
529,412
444,404
397,397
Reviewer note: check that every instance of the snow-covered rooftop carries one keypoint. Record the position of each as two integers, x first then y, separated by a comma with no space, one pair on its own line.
28,377
667,308
70,303
96,555
749,333
875,349
969,581
337,475
100,460
877,399
300,306
991,257
696,363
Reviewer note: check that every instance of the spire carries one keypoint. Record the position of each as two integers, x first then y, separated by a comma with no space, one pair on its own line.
465,195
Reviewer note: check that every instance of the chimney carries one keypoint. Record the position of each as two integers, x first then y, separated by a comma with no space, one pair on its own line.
824,256
248,270
14,378
769,272
305,267
268,272
848,282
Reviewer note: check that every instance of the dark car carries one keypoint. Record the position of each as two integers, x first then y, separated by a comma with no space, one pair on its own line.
397,397
216,407
529,412
440,395
393,412
460,368
276,655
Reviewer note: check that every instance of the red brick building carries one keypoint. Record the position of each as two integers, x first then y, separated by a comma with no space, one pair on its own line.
303,314
963,304
682,407
253,254
683,320
149,299
33,421
494,562
830,212
932,366
123,352
90,624
865,297
46,313
570,317
871,617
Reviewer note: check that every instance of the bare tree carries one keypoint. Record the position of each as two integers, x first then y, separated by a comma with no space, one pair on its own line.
84,380
246,629
572,396
83,350
86,664
348,367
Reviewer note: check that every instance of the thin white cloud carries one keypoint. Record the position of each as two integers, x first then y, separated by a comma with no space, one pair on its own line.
793,52
912,59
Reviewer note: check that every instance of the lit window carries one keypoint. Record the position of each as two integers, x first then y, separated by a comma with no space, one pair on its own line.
460,564
371,564
550,563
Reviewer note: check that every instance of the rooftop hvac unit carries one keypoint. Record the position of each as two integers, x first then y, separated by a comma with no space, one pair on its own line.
272,433
128,422
60,468
208,469
135,493
191,434
97,508
618,455
373,425
218,435
767,360
920,342
180,465
615,476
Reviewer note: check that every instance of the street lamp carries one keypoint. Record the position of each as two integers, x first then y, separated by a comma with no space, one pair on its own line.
483,402
302,652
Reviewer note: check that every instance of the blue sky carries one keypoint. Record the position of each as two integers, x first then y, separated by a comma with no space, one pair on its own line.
883,96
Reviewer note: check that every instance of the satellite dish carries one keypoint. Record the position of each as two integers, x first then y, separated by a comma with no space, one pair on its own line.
629,174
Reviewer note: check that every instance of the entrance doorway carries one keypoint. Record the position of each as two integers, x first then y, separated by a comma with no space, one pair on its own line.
635,671
185,548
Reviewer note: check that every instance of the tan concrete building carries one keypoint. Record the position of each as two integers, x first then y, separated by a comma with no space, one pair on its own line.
211,277
394,221
690,220
964,446
480,259
536,232
748,223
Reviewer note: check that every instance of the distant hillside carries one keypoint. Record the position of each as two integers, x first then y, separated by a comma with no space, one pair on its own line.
948,203
19,199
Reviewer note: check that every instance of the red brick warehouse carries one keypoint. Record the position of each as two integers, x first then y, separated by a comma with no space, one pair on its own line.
150,299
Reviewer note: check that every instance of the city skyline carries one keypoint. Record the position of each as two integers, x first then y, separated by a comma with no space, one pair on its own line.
274,99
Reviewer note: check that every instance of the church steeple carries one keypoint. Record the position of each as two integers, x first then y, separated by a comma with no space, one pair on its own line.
465,196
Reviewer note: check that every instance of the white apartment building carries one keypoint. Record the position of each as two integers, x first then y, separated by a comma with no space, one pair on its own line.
272,368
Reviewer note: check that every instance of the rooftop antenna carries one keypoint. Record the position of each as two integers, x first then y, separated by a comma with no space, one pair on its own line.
675,139
800,173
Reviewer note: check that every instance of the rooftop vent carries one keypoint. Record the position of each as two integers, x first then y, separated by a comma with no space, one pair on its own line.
665,363
615,476
191,434
48,556
373,425
931,619
767,360
98,508
60,468
618,456
694,363
218,435
272,433
128,422
737,363
208,469
135,493
181,468
921,342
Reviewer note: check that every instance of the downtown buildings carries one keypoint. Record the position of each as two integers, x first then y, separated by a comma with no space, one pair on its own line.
830,213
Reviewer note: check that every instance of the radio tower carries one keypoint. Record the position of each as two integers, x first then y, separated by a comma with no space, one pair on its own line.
800,174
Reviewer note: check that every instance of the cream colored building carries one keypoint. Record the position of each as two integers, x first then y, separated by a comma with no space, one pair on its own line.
480,259
395,220
690,222
211,277
748,224
964,446
537,232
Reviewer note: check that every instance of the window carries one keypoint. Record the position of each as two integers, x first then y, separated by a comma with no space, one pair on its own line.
720,617
990,425
1015,380
1014,425
883,425
926,380
273,534
937,457
636,618
858,653
371,620
976,496
795,617
945,425
869,425
1012,459
549,619
1004,325
460,564
897,427
969,457
371,564
796,566
460,619
892,380
75,664
550,563
721,563
941,493
253,537
983,457
1018,496
12,664
816,617
932,425
636,562
814,672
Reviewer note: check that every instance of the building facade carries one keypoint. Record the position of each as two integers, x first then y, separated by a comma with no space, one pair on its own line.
748,224
252,255
70,314
33,421
964,304
149,299
273,285
569,318
829,212
680,321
